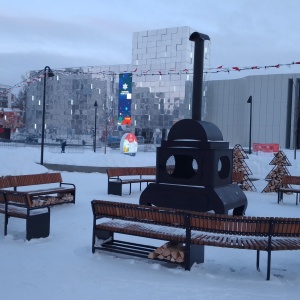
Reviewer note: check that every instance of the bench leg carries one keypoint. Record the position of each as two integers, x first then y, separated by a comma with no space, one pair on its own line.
101,235
269,265
257,260
195,254
38,226
5,224
114,188
280,196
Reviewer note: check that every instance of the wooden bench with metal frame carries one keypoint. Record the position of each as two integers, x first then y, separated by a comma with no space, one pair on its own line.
285,187
19,205
50,195
128,175
193,229
33,205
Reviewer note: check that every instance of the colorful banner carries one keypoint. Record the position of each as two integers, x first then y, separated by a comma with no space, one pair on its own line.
124,105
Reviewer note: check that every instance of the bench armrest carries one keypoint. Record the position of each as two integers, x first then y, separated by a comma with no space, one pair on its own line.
66,183
115,178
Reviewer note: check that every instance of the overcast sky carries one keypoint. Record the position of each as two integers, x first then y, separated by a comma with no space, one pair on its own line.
73,33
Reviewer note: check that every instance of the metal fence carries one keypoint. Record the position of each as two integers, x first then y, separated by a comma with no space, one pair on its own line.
53,148
68,149
8,145
72,148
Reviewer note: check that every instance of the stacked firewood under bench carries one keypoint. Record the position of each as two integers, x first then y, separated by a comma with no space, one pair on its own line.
173,252
33,205
188,232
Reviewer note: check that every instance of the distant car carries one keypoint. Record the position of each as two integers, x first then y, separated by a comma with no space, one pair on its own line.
5,140
32,139
113,141
20,138
140,140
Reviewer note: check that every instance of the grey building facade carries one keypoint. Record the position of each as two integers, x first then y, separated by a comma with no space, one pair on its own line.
275,109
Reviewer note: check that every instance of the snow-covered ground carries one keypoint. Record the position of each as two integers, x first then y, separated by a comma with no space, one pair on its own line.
62,266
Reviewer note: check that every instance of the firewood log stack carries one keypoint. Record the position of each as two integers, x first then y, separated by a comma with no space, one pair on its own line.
169,251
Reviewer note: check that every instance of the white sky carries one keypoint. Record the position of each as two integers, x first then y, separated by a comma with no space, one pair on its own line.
73,33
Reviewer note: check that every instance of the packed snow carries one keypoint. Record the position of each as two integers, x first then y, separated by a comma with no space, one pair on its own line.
62,266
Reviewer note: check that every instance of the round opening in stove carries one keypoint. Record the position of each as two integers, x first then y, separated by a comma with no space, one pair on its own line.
181,166
223,167
170,165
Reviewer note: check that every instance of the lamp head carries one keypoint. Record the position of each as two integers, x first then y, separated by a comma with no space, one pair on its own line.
49,73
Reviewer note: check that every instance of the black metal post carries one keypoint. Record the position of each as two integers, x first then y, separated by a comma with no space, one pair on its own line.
199,39
47,73
105,107
105,137
250,126
95,125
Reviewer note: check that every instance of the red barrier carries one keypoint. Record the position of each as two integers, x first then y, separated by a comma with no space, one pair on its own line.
265,147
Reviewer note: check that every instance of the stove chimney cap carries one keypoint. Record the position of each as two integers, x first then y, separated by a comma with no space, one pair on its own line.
197,35
189,129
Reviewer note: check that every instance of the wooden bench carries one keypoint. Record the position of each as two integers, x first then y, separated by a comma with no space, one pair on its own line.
17,200
18,205
119,176
46,196
4,183
286,187
194,230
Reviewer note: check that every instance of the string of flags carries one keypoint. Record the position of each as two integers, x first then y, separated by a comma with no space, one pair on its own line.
140,73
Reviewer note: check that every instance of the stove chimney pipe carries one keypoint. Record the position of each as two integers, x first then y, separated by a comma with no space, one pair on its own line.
199,39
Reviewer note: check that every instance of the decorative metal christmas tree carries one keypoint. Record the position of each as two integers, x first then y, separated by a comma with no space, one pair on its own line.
239,165
280,162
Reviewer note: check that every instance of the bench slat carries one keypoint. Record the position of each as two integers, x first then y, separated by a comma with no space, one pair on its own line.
142,230
35,179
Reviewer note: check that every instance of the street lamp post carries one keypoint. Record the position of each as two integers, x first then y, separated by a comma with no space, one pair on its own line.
47,73
250,126
95,125
106,125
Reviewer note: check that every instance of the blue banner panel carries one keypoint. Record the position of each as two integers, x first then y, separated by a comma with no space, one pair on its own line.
124,105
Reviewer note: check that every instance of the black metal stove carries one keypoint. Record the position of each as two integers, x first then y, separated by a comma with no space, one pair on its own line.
194,164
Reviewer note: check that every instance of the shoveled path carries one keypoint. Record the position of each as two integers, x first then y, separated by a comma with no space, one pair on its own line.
71,168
